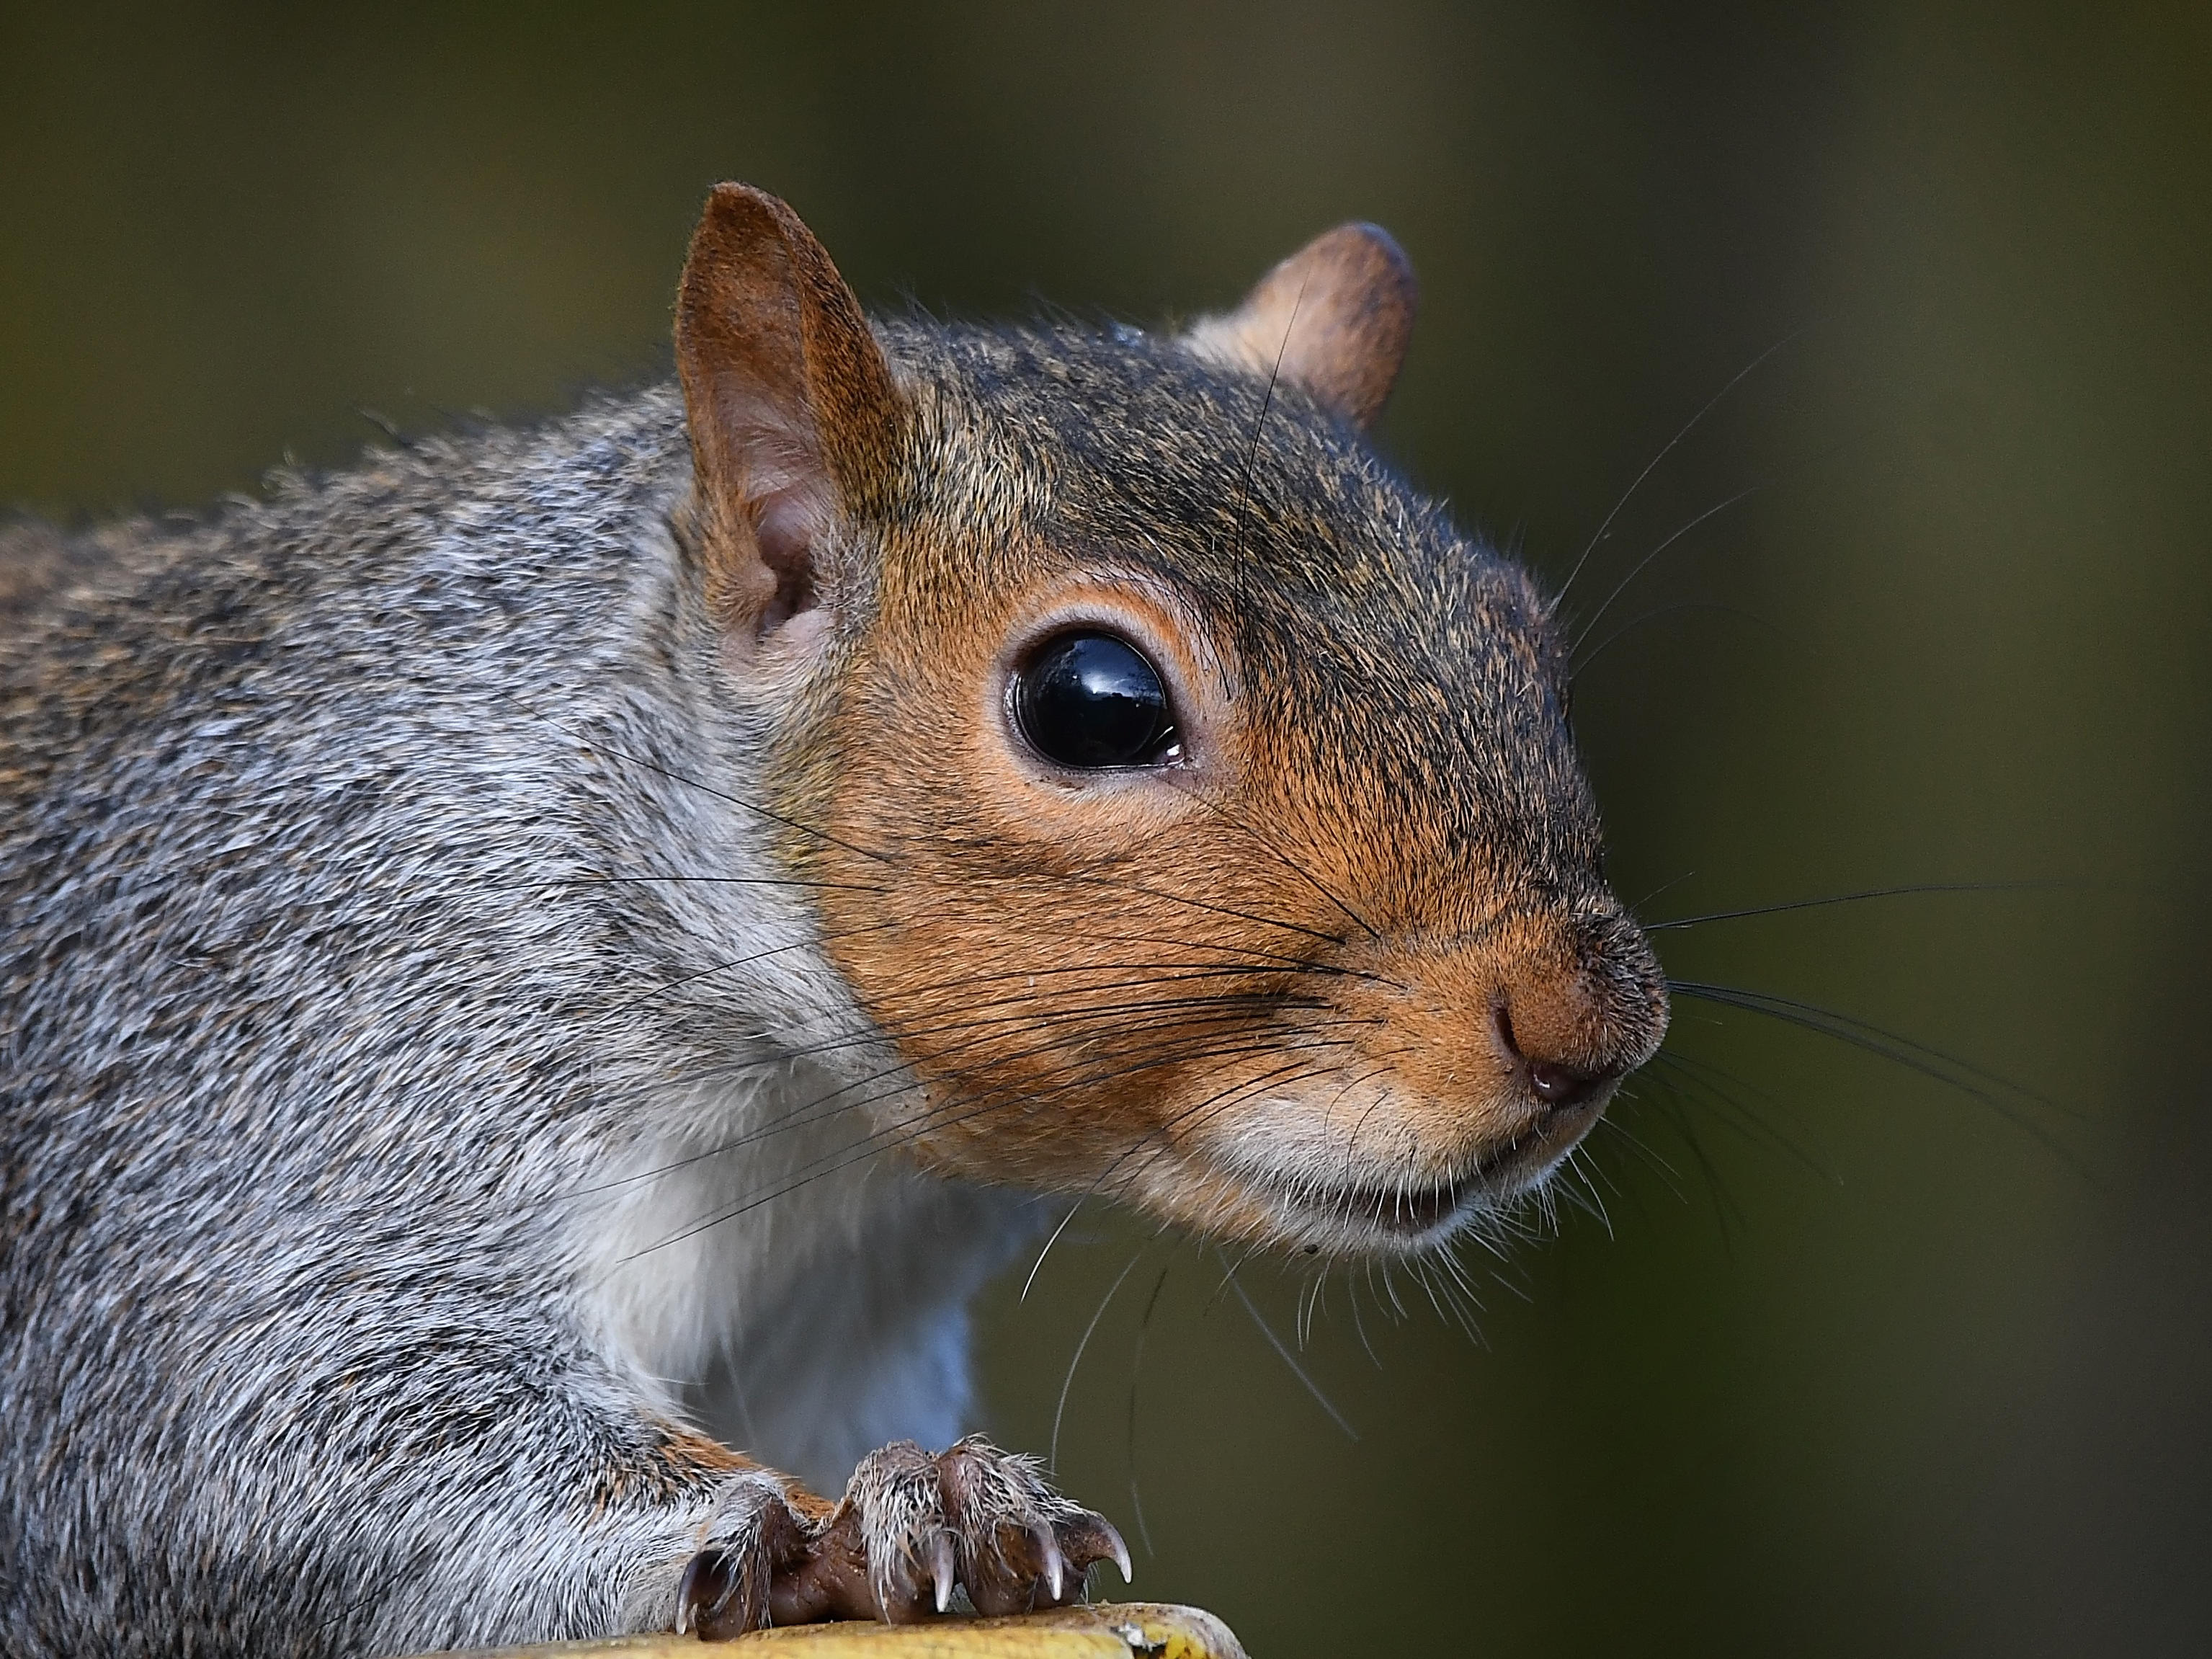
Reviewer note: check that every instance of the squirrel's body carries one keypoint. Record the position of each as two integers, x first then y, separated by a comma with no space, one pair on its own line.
406,1163
479,933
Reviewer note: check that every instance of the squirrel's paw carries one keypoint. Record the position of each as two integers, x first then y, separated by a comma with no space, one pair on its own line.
910,1530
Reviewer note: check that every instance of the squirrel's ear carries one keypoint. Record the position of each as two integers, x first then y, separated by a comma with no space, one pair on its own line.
793,411
1333,318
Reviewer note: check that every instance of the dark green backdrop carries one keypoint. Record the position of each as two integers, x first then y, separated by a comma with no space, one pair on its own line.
1851,1361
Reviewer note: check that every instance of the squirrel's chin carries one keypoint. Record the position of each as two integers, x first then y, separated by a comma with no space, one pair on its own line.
1293,1211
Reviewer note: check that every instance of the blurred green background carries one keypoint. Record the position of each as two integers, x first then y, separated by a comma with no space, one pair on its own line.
1829,1358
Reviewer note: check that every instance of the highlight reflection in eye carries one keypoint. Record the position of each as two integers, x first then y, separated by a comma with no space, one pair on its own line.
1091,700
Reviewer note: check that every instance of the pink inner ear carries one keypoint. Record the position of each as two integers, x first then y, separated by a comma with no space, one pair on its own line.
779,483
787,523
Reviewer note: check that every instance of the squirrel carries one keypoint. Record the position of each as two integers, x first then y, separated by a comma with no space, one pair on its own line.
564,951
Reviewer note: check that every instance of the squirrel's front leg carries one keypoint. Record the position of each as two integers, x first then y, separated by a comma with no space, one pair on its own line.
910,1529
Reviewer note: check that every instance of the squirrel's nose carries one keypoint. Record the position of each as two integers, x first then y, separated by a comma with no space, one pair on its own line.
1533,1047
1578,1005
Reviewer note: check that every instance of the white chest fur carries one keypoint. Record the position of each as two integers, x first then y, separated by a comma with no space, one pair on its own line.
803,1299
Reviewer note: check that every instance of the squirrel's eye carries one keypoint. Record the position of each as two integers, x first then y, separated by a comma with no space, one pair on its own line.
1091,700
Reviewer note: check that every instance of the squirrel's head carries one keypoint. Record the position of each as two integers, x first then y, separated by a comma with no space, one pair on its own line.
1192,805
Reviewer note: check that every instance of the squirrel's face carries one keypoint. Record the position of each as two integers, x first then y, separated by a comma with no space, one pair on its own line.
1192,807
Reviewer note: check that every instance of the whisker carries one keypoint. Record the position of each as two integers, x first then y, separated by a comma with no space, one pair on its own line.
1854,898
1039,1263
1688,427
903,1132
1056,1013
1136,1370
1202,904
1644,563
1288,1358
1052,1456
1904,1050
663,989
1914,1057
715,881
1220,1102
1358,1326
754,807
810,1112
1294,963
1739,1117
1582,663
1259,425
1666,886
1279,856
1726,1212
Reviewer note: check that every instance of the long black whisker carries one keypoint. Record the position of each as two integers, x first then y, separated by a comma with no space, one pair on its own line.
1854,898
1741,1117
754,807
677,984
1612,1125
1278,855
1222,1098
811,1111
715,881
1202,904
1729,1213
1228,1009
1914,1057
1212,1105
1056,1013
922,1123
1259,425
1905,1050
1295,963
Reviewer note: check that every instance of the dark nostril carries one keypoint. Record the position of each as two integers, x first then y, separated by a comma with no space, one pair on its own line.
1558,1085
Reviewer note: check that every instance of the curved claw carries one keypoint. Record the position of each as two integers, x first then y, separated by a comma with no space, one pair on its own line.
1120,1549
710,1581
1055,1569
942,1571
687,1595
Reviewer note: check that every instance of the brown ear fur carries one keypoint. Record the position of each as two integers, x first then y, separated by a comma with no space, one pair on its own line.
1333,318
793,411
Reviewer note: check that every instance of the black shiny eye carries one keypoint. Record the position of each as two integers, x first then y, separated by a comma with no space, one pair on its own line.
1091,700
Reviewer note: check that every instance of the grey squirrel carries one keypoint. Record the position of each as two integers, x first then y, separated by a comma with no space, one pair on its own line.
560,940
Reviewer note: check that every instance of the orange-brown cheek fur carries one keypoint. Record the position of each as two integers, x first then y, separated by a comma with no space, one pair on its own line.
1062,967
1066,1012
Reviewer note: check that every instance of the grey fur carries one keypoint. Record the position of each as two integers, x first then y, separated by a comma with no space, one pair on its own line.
321,1027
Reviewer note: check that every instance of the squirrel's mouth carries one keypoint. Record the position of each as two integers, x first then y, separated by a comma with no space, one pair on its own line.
1404,1215
1401,1216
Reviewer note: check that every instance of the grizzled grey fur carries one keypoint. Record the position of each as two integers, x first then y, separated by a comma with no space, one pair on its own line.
333,1037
